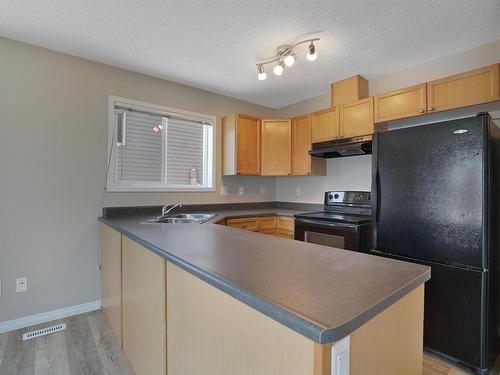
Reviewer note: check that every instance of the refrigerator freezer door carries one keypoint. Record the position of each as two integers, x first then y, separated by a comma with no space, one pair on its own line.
453,309
428,188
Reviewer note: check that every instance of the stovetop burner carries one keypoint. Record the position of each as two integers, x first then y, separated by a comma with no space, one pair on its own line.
353,207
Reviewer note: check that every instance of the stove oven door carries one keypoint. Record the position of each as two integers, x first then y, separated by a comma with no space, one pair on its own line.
334,234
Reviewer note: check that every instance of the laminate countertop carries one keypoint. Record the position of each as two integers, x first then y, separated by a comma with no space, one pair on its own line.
323,293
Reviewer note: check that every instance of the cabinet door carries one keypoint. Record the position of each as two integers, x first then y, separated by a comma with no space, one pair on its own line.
144,320
301,144
407,102
111,278
247,145
325,125
276,147
267,223
356,118
474,87
246,223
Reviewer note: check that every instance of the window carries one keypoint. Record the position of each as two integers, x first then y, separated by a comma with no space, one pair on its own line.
154,148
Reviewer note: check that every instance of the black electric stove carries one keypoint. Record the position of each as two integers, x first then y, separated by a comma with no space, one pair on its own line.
344,223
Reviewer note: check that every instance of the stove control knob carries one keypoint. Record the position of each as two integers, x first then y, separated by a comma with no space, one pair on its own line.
336,196
330,196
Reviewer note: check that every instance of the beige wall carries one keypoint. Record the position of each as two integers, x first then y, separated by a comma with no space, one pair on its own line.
52,169
53,154
355,173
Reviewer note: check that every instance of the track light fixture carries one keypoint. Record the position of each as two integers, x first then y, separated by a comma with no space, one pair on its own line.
261,73
286,57
311,54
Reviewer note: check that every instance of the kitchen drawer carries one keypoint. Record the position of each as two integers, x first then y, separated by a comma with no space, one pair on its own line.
268,223
247,223
285,234
286,223
273,232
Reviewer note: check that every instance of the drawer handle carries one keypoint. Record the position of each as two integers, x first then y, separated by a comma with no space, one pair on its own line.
431,109
422,111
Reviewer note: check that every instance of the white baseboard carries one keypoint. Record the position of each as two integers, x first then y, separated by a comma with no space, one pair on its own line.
12,325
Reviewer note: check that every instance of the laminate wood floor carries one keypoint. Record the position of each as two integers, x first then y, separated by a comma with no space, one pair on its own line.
86,347
89,347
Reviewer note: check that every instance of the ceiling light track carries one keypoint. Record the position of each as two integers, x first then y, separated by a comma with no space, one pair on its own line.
286,57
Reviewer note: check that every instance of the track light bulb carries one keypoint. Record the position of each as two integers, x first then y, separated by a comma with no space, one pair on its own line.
289,60
311,54
278,69
261,75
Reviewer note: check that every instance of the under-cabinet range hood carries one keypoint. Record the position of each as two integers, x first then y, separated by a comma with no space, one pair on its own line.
342,147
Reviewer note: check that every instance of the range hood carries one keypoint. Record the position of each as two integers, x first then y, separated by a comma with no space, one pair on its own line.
342,147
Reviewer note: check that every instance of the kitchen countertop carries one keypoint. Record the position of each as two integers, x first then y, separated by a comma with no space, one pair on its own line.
321,292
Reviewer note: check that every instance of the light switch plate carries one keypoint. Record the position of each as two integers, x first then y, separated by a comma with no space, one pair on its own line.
241,190
298,191
21,284
340,356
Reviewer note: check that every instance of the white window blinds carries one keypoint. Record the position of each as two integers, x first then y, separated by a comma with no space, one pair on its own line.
154,150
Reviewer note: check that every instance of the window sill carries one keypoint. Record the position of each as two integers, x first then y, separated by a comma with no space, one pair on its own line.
196,189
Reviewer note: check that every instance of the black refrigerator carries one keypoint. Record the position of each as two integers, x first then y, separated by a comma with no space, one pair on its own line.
434,202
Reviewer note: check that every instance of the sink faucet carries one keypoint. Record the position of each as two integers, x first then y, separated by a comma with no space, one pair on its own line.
169,207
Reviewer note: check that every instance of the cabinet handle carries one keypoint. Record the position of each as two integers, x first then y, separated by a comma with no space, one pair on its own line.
431,109
244,226
289,173
308,172
422,111
237,172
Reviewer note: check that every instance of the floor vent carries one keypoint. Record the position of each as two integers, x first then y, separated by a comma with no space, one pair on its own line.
43,332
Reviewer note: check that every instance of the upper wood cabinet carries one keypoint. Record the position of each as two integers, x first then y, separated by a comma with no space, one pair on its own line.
349,90
356,118
276,147
407,102
302,163
325,125
241,145
461,90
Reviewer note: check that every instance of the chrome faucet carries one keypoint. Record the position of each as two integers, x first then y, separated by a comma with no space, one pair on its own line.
169,207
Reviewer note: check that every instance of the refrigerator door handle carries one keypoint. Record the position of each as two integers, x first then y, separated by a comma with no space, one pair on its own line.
377,195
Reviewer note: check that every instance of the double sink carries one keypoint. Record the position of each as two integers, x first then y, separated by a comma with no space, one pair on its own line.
182,219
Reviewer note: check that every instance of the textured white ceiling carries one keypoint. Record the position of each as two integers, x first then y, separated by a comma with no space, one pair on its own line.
214,44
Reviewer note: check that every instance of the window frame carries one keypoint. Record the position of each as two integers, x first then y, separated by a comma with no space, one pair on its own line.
209,157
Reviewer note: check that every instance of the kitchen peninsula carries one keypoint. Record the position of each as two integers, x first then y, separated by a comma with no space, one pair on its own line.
190,299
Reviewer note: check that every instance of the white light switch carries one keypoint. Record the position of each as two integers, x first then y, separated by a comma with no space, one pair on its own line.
298,191
21,284
241,190
340,356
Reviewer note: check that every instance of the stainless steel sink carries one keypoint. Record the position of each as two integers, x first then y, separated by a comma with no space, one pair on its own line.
183,218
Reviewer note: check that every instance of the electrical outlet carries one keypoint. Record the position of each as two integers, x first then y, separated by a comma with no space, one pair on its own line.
262,190
298,191
340,356
21,284
224,190
241,190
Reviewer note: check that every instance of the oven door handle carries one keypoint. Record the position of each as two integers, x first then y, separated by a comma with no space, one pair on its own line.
326,223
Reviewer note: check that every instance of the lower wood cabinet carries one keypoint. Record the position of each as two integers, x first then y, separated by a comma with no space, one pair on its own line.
144,305
275,225
276,148
246,223
407,102
111,278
